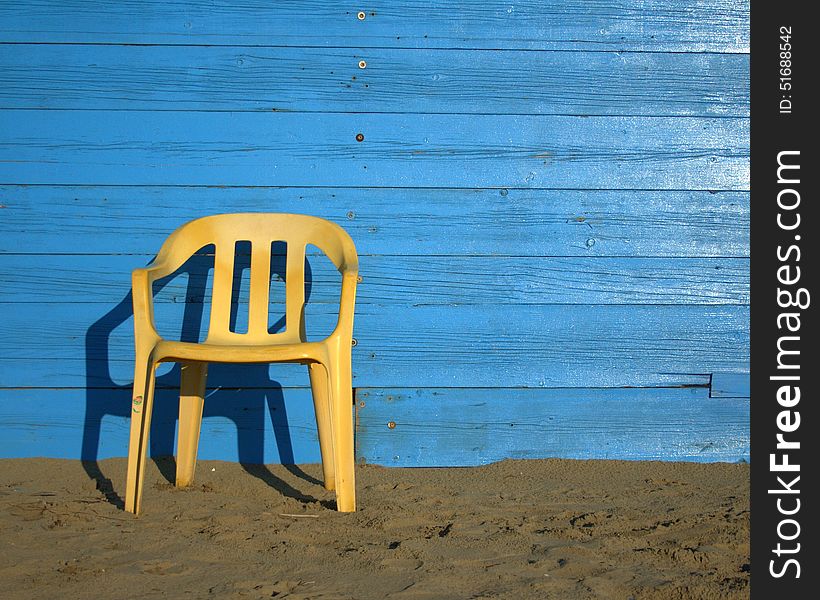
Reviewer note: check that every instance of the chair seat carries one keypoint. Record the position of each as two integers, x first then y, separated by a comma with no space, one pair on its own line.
220,352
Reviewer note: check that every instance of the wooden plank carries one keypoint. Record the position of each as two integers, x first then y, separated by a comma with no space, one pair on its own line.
250,426
286,149
669,25
78,345
461,427
730,385
105,279
434,427
330,80
404,222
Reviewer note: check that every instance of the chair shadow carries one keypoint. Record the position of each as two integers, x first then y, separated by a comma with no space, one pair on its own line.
105,397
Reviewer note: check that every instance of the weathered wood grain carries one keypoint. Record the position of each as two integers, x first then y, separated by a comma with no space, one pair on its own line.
134,219
405,81
457,427
287,149
418,280
685,26
577,232
74,345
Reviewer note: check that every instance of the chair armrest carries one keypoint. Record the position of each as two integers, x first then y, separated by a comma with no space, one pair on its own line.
161,267
143,297
347,302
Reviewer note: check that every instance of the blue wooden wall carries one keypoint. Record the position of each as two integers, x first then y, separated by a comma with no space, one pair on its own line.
551,203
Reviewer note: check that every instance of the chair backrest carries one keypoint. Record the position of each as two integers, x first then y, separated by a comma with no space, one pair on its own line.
261,230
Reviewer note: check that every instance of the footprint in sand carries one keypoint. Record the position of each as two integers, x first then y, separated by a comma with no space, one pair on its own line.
164,567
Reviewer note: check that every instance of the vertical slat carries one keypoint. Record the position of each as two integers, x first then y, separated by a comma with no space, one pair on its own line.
295,286
223,285
259,299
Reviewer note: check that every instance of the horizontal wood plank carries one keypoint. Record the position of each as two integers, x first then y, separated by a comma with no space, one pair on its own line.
730,385
250,426
76,345
433,427
461,427
287,149
496,280
136,220
404,81
685,26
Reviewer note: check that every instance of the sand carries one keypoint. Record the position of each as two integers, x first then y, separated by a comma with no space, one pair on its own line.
516,529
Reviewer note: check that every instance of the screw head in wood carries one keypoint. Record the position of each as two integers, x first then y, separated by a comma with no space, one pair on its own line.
361,15
359,137
391,424
362,64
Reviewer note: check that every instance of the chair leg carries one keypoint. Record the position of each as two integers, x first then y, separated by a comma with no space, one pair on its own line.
141,406
321,405
191,400
341,416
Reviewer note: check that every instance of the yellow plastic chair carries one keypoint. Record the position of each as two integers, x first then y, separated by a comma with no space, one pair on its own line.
328,360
